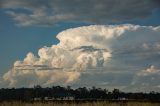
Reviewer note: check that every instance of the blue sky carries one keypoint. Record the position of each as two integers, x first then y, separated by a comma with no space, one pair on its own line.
17,41
27,26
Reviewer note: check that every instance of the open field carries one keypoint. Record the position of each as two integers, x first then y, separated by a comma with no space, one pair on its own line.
80,104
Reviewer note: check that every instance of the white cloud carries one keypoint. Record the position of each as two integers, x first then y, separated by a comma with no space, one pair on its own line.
92,54
146,80
149,71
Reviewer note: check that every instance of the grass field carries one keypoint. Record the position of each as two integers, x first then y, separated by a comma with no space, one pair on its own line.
80,104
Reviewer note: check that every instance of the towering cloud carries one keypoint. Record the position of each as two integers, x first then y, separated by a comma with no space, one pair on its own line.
111,55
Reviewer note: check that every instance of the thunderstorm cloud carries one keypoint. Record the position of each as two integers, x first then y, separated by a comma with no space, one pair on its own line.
113,56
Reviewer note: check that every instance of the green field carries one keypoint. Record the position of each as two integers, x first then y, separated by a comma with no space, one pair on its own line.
80,104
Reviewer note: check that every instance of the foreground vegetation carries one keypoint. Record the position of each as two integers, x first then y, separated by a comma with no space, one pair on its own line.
80,104
67,93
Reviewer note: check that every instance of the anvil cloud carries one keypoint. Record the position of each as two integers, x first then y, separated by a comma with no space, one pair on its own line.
110,56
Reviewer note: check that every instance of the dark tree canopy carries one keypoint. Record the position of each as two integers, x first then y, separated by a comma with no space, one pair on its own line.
83,93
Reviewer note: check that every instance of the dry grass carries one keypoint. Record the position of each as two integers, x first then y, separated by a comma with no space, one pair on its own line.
80,104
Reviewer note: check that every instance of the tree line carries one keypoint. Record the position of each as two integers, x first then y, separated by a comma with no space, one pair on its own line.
82,93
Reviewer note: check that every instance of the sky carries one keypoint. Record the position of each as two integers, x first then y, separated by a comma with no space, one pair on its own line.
103,43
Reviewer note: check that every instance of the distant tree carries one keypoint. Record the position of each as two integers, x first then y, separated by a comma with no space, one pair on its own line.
28,94
116,93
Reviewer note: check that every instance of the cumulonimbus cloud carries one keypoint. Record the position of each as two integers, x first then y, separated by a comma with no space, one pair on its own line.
102,55
49,12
